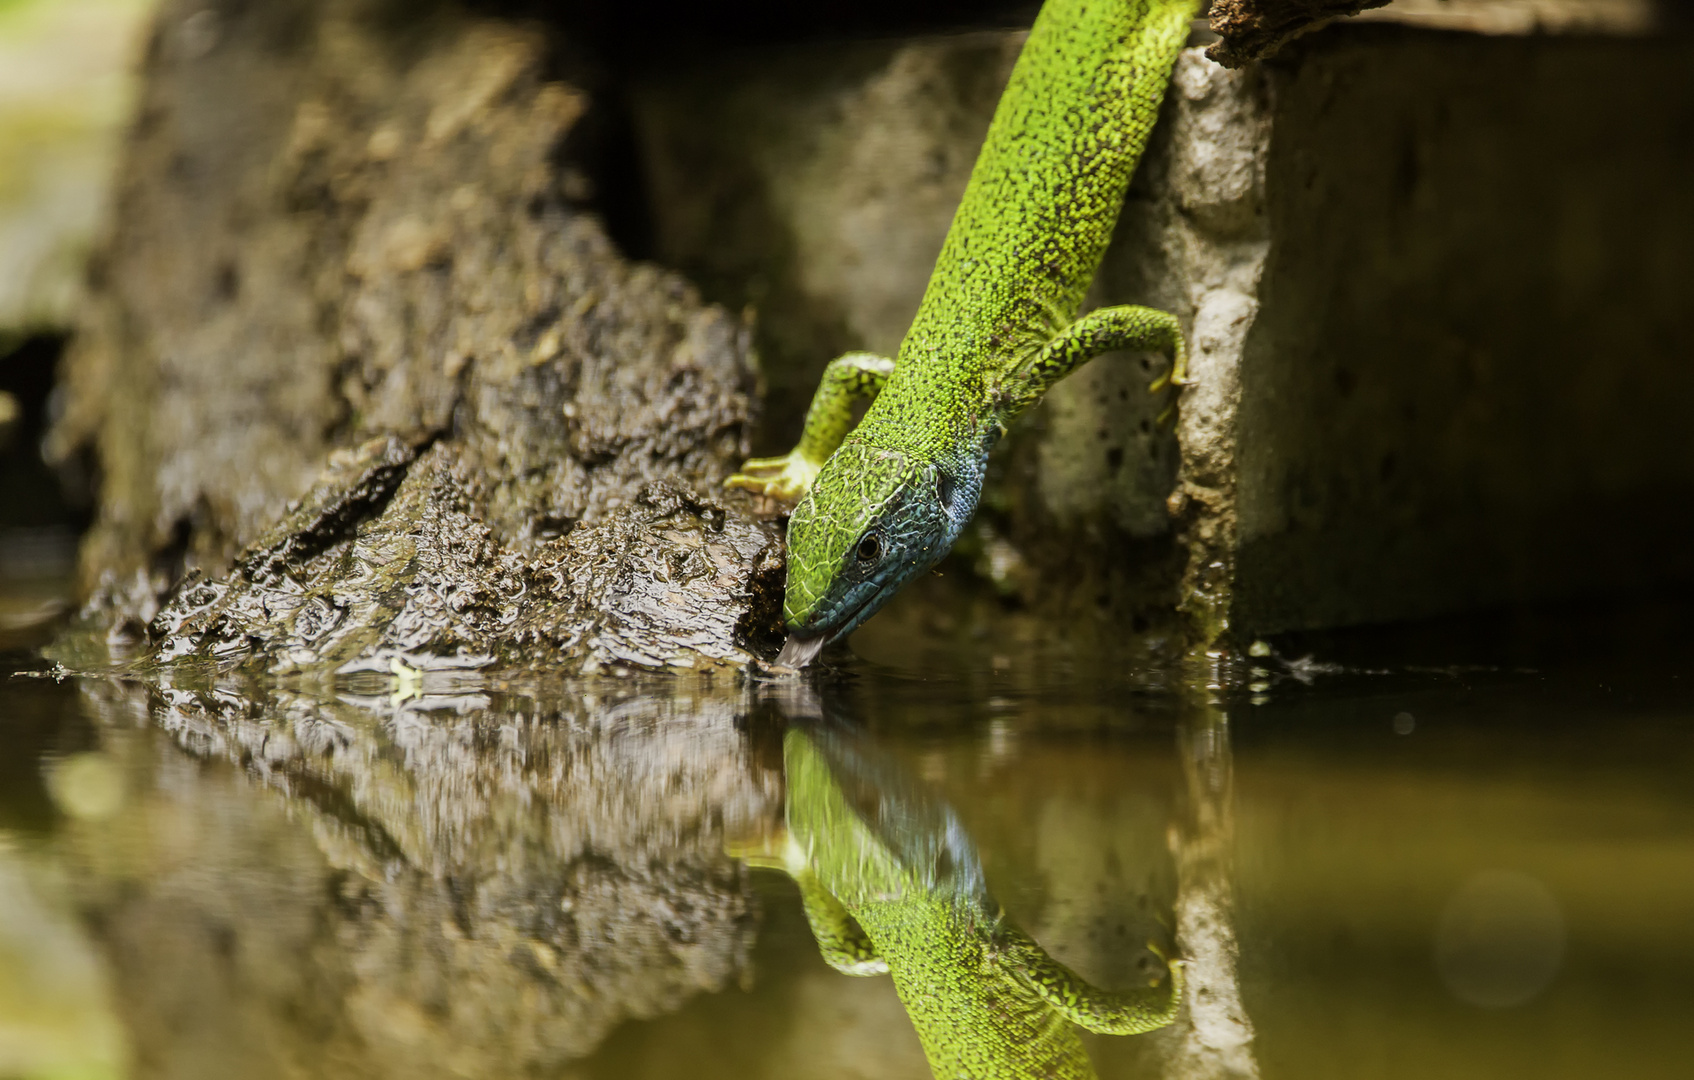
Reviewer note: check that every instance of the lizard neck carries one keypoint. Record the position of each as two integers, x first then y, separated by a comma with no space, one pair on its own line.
1042,200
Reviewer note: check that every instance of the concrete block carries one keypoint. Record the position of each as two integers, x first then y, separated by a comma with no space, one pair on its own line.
1469,378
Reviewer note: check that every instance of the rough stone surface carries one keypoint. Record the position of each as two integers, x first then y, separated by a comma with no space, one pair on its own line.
345,237
1197,244
437,886
389,562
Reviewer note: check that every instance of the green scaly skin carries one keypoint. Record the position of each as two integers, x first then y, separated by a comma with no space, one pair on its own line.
898,889
997,326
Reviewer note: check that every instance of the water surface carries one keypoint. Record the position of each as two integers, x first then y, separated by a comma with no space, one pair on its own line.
1449,852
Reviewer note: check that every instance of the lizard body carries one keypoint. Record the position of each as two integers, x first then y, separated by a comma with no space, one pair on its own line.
885,501
891,883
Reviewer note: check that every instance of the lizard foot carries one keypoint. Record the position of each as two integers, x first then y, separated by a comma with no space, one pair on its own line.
1175,965
787,477
1176,375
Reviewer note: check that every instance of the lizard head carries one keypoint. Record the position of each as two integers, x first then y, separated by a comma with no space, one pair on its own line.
874,519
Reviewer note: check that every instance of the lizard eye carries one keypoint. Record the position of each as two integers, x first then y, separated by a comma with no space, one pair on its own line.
870,548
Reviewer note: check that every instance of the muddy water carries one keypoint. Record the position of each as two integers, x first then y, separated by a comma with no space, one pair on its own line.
1462,854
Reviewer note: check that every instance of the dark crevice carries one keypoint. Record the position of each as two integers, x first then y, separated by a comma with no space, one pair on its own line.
32,493
335,511
602,46
170,559
639,33
620,189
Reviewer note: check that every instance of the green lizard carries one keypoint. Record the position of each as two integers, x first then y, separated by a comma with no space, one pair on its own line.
890,883
997,326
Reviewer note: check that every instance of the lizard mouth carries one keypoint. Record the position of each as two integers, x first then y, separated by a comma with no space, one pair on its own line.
799,651
803,646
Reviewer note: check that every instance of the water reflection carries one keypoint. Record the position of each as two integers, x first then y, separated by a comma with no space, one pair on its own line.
486,886
892,884
231,882
287,882
1217,1036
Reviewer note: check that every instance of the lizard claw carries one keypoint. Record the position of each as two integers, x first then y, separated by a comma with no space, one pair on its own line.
1176,375
787,477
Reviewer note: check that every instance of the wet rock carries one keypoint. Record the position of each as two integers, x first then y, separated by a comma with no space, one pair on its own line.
389,563
367,379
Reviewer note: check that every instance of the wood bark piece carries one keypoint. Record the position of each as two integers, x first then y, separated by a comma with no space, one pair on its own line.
1251,29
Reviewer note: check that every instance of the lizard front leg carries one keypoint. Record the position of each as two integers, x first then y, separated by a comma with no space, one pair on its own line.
848,379
1128,1012
842,942
1105,330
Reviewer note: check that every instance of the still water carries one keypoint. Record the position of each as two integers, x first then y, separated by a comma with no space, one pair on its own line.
1457,853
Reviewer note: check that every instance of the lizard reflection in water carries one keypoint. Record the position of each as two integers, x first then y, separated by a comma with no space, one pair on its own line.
891,883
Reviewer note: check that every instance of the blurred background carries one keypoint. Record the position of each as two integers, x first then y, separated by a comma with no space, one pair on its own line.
67,88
